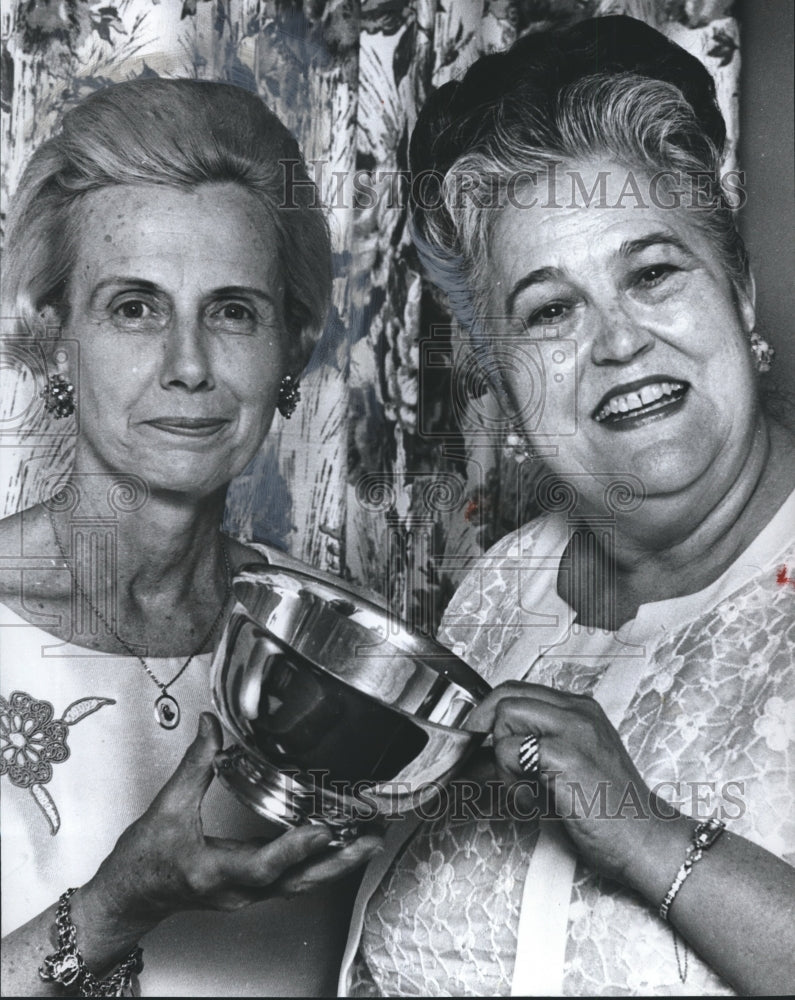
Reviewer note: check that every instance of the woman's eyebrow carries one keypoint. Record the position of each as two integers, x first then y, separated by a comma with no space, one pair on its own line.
533,278
144,285
231,290
627,249
122,279
661,238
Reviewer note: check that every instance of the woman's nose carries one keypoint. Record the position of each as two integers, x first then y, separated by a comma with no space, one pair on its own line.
186,361
619,339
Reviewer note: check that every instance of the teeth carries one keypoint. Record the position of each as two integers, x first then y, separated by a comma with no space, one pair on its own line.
633,399
650,393
636,400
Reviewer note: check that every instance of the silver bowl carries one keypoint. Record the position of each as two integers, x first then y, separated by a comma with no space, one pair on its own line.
341,714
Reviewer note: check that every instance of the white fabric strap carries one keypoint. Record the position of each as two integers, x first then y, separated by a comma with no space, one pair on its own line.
543,923
541,937
617,685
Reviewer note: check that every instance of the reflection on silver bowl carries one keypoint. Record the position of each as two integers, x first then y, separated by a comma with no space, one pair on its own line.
341,714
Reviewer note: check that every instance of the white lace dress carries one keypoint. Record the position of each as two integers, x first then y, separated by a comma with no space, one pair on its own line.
702,690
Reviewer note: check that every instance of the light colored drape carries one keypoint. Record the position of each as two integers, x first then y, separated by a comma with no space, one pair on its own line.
372,478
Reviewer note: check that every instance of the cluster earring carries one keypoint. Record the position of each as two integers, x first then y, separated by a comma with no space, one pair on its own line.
518,447
59,396
763,353
289,395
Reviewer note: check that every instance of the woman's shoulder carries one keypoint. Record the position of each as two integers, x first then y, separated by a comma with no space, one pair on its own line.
262,552
541,536
25,530
526,538
11,529
29,560
492,581
242,551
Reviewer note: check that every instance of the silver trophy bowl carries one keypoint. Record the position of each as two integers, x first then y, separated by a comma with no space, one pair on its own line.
340,713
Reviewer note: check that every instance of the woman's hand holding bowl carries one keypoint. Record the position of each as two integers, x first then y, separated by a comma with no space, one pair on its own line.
589,778
163,863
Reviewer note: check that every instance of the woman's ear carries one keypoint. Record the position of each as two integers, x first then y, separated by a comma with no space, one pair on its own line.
60,351
49,327
747,303
301,349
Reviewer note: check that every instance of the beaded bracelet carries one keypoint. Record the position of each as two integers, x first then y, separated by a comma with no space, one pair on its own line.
66,965
704,836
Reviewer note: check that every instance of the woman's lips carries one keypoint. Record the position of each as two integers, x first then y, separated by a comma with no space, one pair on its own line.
626,405
188,426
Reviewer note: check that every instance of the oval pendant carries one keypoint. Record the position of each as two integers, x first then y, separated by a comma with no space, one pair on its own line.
167,712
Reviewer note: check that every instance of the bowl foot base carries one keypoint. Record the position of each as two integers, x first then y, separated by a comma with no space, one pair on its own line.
281,797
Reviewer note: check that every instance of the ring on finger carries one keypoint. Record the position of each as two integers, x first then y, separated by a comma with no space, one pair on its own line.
528,756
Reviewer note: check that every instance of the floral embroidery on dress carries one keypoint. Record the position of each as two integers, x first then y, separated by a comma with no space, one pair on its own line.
777,724
434,876
712,719
31,741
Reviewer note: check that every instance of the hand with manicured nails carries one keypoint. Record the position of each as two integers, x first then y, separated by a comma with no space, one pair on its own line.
163,863
587,775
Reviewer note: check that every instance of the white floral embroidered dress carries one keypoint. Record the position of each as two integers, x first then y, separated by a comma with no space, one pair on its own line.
82,757
703,691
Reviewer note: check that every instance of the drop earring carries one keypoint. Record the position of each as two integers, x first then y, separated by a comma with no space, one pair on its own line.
289,395
59,396
518,447
763,353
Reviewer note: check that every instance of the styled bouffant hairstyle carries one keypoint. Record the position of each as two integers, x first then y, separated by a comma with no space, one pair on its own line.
180,133
611,88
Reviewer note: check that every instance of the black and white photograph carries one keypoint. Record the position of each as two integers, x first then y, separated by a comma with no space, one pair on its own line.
397,470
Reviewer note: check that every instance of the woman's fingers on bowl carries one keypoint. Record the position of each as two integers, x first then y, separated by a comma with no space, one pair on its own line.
297,861
250,863
332,866
522,716
482,718
185,789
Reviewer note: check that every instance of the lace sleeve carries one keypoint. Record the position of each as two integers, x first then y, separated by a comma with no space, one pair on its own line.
484,615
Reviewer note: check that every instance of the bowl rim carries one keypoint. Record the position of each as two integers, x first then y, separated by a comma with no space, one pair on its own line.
437,657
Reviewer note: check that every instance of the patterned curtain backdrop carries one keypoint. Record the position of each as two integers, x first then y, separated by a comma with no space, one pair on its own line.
391,472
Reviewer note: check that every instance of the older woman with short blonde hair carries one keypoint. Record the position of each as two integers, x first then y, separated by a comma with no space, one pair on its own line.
169,234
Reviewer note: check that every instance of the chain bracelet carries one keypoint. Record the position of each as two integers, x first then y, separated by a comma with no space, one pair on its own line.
66,966
704,836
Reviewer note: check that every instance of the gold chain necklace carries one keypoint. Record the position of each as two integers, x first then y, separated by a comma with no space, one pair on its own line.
167,711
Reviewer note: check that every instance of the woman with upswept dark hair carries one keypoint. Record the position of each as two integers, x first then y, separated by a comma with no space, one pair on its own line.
166,253
639,633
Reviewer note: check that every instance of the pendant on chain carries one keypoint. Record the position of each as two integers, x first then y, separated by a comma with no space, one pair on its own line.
167,712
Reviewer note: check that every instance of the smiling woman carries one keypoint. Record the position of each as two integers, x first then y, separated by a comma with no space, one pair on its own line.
153,233
639,633
184,290
673,404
